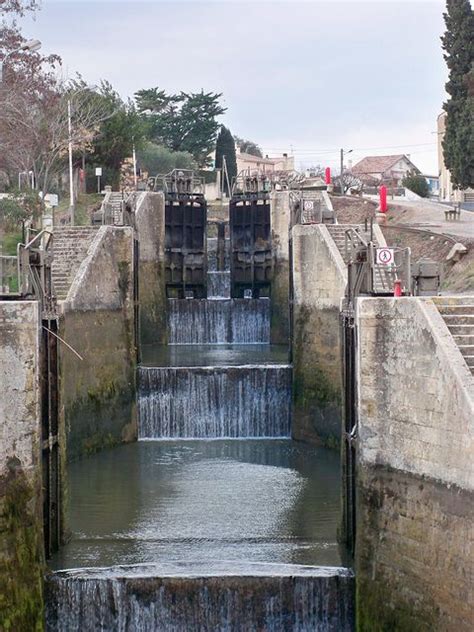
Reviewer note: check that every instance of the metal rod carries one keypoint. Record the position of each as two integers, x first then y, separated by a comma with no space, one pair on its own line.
64,342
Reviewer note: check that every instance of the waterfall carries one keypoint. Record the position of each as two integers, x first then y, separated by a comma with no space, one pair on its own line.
218,285
237,321
212,254
212,402
244,597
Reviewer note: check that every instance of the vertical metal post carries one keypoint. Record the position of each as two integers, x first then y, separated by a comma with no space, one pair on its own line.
71,171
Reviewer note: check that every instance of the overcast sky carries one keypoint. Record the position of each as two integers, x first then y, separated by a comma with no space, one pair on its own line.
302,77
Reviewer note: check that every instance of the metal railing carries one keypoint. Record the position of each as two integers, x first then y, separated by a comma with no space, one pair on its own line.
367,275
29,274
178,182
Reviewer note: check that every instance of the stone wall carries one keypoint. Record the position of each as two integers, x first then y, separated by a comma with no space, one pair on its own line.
150,226
97,392
21,539
415,479
319,280
280,292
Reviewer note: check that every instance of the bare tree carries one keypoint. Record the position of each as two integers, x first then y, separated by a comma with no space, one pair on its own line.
34,127
349,181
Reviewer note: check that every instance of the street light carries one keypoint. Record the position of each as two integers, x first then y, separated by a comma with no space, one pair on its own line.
31,45
342,167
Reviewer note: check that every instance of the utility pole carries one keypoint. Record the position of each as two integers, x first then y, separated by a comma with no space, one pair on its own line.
71,171
342,171
134,166
342,168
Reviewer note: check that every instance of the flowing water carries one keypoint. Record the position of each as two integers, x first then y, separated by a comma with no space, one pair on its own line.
224,321
236,531
186,597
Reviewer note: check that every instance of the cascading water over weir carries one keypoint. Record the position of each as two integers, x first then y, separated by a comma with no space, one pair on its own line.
233,534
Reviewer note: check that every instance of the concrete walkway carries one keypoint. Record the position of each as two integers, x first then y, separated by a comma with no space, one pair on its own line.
429,215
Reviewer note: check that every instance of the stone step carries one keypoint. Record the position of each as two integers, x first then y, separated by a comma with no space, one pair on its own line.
453,320
461,330
464,340
452,310
453,301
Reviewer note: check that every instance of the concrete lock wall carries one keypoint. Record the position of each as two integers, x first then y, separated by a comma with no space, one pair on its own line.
415,479
280,293
97,392
319,281
21,541
150,227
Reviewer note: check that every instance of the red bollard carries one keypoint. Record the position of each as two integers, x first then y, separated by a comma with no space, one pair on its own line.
397,288
383,199
328,175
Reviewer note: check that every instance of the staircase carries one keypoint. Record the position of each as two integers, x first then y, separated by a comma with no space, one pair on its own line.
70,249
458,314
113,206
338,234
384,277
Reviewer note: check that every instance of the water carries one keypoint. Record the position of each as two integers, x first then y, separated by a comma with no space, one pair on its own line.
213,355
213,402
212,263
238,321
185,597
240,501
218,285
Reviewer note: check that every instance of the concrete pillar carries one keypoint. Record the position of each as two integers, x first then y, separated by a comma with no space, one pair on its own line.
150,226
280,293
21,529
319,280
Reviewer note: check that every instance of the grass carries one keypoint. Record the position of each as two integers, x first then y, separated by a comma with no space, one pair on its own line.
9,243
81,210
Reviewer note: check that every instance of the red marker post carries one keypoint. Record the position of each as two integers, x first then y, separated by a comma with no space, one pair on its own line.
328,175
397,288
383,198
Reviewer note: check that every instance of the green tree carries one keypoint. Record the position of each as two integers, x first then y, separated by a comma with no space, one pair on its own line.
181,122
118,133
225,146
416,183
18,207
158,159
248,146
458,44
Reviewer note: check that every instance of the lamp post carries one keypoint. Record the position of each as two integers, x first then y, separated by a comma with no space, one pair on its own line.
31,45
342,168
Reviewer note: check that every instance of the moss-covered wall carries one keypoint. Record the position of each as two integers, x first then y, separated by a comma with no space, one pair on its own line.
21,552
150,226
414,557
319,285
97,392
21,532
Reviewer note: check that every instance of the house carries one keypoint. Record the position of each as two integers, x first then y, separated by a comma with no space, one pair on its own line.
388,170
433,184
256,164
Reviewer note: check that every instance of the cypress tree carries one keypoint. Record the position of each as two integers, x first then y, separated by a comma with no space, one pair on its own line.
458,44
225,146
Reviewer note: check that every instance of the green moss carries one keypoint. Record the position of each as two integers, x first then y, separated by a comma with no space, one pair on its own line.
21,560
98,442
374,612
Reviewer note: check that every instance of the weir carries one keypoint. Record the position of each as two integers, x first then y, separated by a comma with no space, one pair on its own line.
238,533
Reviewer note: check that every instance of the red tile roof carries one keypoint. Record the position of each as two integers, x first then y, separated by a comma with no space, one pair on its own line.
376,164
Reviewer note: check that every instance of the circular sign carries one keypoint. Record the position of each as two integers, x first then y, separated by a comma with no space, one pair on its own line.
385,256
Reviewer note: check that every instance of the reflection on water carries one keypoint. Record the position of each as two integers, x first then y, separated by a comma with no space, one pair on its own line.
213,355
255,501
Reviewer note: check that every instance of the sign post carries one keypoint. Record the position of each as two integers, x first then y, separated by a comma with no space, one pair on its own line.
98,173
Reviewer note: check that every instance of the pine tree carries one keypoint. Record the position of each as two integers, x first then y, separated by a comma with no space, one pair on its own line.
458,44
225,146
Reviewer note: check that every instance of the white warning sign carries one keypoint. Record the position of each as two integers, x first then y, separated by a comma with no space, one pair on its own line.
385,256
